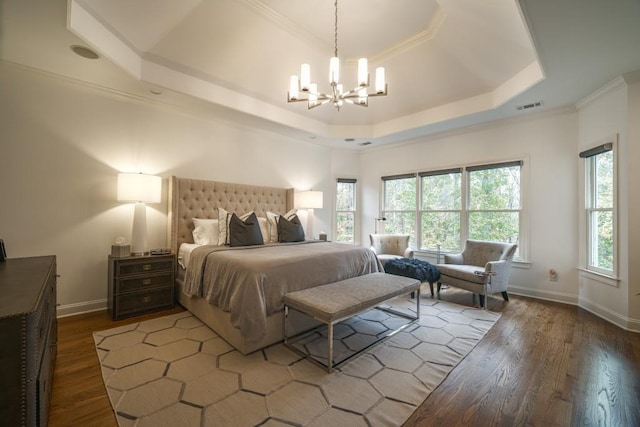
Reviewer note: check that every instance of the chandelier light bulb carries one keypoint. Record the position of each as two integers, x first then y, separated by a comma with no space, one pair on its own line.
313,93
305,77
293,88
380,83
363,72
334,70
362,96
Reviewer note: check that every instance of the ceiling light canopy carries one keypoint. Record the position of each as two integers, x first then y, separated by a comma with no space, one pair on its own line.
301,88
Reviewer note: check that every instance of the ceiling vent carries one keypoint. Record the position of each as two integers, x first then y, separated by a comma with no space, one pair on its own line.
529,106
362,144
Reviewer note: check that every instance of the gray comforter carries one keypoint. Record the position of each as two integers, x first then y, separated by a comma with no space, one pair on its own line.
249,282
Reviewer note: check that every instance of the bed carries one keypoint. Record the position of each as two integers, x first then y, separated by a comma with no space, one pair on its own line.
237,291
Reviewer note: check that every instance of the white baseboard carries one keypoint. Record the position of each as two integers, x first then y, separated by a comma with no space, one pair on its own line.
544,295
81,307
624,322
611,316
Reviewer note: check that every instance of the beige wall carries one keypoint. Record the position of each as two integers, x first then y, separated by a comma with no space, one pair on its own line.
63,145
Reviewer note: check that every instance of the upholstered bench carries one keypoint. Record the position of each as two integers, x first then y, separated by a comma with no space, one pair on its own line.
414,268
341,300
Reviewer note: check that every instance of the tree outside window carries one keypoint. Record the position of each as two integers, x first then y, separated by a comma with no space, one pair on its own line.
494,202
400,205
475,202
346,210
441,209
600,209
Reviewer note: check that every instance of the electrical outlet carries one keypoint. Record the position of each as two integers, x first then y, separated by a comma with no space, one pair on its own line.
553,275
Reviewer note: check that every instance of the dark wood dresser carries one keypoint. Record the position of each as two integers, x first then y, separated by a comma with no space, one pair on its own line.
141,284
28,339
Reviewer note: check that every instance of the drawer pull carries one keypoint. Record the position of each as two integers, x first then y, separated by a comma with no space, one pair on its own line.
146,267
146,282
146,299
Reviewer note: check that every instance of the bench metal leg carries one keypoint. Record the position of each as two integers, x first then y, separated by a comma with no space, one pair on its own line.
330,359
286,317
330,347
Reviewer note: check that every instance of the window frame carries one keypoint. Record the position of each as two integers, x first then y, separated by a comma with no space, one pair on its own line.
590,196
387,214
353,212
469,211
416,242
422,210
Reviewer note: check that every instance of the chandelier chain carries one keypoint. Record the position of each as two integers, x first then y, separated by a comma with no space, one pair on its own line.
336,31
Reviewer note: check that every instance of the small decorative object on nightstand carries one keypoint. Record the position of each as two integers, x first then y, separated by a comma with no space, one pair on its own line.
141,284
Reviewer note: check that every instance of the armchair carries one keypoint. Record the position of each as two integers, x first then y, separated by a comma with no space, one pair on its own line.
482,268
390,246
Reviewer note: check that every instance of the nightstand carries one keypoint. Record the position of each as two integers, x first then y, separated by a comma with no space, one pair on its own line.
141,284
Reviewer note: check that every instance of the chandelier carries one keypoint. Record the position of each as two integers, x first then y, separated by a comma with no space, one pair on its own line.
301,88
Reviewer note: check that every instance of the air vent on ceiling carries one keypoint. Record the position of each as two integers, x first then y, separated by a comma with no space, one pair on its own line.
529,106
362,144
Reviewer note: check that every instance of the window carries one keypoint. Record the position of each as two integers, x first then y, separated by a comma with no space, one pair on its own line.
346,210
400,204
600,203
441,210
494,202
444,208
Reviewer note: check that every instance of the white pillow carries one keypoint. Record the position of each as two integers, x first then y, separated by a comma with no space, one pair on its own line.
272,220
264,228
205,231
224,218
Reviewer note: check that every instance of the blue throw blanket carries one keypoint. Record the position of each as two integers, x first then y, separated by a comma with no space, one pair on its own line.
414,268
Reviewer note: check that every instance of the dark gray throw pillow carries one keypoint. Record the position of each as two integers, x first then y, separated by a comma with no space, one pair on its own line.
290,230
245,233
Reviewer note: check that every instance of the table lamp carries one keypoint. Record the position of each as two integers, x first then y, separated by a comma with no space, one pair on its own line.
140,189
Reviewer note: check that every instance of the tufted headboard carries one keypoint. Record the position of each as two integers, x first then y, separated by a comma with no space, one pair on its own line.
192,198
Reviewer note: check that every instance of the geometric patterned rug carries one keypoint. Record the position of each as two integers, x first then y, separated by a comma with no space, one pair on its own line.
175,371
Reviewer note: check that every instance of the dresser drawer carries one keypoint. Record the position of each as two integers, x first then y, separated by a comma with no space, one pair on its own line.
137,283
145,266
139,302
38,327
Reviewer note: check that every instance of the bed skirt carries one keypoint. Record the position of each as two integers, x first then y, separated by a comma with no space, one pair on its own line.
220,322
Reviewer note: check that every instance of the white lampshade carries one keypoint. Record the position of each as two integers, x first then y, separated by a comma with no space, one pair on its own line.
308,200
138,187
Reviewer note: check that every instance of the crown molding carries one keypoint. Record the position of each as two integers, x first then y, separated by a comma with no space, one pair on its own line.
298,31
609,87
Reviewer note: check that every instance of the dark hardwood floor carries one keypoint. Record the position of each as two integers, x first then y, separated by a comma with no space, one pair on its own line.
542,364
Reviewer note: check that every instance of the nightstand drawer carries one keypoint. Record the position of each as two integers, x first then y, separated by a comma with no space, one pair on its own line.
137,302
141,282
143,266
